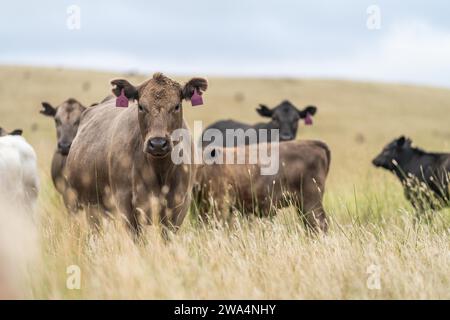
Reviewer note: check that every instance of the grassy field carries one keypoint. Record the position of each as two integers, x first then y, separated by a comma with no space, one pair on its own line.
372,225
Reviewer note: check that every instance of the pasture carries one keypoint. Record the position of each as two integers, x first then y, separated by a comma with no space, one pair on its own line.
372,225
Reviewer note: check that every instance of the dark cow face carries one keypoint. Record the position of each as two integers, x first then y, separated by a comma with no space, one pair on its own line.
16,132
159,105
67,119
392,153
285,117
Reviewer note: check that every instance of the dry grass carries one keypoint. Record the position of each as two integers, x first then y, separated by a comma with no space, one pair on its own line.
372,224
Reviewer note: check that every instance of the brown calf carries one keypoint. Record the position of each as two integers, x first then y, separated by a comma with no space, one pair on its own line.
120,160
303,168
67,119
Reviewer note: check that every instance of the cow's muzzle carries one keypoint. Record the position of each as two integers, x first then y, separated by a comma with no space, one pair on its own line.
286,137
64,148
377,162
158,147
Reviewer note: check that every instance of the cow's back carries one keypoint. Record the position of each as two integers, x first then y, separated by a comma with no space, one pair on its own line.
303,168
222,126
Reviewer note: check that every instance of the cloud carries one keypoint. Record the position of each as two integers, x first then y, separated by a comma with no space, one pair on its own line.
254,38
410,51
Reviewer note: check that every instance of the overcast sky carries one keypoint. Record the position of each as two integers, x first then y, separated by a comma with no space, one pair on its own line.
235,38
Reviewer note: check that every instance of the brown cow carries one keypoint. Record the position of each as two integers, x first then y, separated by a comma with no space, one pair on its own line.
67,119
120,160
303,168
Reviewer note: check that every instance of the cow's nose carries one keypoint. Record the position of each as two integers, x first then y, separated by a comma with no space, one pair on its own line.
285,137
158,146
64,147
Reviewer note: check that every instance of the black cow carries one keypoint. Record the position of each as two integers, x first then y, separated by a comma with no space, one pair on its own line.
16,132
416,168
284,117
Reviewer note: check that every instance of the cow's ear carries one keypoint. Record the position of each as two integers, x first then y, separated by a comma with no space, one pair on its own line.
16,132
48,110
264,111
130,91
199,84
82,107
311,110
408,143
402,141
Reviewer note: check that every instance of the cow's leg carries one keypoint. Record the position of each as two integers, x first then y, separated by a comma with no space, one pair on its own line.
93,216
166,221
201,204
440,192
416,203
177,216
70,198
446,196
124,205
172,215
70,201
423,204
312,209
133,223
316,218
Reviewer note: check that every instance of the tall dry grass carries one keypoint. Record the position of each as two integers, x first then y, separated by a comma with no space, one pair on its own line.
252,258
372,226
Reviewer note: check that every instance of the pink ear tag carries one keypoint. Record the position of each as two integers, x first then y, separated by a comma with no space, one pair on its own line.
308,119
196,99
122,100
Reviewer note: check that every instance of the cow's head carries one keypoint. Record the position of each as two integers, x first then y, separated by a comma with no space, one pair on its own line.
16,132
67,119
159,108
393,153
285,117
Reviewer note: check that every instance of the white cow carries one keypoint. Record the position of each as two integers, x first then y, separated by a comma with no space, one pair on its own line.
18,230
19,182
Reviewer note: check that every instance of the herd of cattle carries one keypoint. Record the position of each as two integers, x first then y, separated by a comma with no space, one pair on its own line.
116,161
